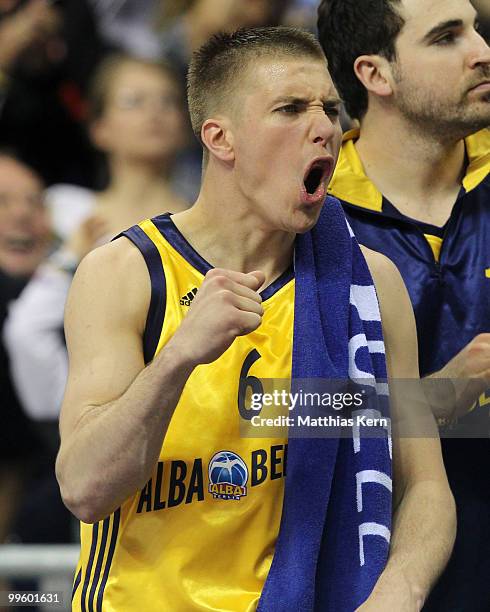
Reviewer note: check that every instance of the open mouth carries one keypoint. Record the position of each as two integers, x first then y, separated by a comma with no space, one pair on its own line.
316,175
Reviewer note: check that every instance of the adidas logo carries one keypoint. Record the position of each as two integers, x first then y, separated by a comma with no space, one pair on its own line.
188,297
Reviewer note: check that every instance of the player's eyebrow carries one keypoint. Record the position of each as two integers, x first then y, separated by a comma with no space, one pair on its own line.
290,100
331,100
442,27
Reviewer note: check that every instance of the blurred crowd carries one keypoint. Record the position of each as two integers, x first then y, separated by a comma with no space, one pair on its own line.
94,137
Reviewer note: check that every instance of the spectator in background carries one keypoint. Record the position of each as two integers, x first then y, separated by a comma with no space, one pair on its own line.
24,240
302,14
24,223
47,54
129,25
137,121
187,24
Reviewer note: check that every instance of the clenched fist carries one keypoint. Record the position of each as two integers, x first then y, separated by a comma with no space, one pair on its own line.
227,305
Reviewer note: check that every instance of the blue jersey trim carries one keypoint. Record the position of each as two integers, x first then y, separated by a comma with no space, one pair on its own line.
98,567
171,233
169,230
156,311
110,555
279,283
86,582
78,579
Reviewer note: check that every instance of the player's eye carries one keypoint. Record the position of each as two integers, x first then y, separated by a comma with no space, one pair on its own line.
332,111
128,100
289,109
445,39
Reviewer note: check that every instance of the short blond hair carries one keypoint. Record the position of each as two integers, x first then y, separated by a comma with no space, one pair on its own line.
217,67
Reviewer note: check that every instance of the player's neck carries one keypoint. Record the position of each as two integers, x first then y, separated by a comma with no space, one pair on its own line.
409,167
233,239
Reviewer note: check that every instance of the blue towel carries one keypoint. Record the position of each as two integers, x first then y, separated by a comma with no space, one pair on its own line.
335,528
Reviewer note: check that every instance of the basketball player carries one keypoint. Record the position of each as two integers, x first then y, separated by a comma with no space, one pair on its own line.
415,184
161,328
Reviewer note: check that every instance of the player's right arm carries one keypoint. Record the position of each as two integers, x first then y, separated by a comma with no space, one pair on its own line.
116,410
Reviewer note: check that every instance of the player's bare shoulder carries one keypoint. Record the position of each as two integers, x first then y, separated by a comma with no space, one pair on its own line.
394,302
382,269
387,279
113,277
396,315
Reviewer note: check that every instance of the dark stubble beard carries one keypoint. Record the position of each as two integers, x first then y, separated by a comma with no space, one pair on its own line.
448,120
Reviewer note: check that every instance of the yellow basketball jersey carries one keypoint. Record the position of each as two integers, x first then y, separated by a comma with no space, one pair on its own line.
201,533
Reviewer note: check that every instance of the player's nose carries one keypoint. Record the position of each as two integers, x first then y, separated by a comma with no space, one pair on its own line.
480,51
323,128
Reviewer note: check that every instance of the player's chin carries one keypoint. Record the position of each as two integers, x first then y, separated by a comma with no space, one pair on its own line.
305,218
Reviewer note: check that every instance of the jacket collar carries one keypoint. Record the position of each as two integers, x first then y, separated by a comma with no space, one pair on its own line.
350,183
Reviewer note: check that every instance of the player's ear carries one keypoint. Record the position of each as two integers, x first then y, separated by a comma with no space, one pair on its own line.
218,139
375,74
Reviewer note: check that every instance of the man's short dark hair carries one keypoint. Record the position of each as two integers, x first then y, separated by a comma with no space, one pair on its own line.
350,28
218,66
